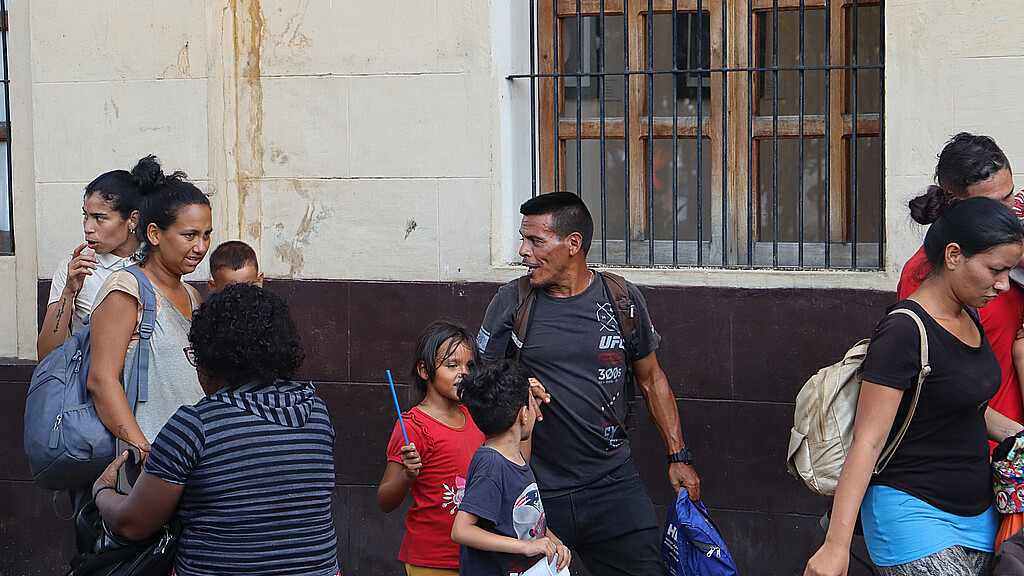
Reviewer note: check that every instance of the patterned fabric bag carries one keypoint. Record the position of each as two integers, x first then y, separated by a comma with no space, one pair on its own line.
1008,475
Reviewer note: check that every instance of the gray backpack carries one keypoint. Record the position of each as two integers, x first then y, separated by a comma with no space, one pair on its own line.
825,408
66,443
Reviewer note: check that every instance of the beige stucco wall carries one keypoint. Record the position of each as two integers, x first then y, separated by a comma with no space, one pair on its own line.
344,141
950,66
378,139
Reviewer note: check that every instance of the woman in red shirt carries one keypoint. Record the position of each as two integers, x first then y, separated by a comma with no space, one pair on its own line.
973,165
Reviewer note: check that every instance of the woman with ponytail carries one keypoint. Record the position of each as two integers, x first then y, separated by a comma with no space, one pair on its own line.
931,510
110,215
174,230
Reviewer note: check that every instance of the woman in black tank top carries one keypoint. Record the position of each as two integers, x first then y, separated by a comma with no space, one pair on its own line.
972,246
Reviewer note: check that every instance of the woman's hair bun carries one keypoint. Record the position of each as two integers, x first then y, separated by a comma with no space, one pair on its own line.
928,207
147,174
164,195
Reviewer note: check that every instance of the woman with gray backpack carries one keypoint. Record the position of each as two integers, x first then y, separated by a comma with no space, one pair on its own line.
930,511
175,224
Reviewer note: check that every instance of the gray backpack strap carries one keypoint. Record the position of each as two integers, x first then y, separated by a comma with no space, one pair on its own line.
889,450
138,385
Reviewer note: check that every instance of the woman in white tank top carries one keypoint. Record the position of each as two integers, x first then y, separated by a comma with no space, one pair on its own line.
110,215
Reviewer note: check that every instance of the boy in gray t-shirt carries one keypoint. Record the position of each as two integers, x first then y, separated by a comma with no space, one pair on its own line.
500,526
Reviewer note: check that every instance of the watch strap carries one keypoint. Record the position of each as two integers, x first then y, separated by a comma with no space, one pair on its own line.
684,456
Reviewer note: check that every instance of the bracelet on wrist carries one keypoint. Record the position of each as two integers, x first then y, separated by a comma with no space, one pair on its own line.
102,488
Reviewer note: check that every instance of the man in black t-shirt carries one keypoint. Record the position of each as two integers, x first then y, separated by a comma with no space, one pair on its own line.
592,493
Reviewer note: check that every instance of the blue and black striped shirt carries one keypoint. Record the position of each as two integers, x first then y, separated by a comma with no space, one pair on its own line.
258,468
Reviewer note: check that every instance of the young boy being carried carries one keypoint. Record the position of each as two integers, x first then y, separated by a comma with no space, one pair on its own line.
500,525
233,262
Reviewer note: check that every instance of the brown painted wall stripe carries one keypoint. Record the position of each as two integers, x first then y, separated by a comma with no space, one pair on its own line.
735,359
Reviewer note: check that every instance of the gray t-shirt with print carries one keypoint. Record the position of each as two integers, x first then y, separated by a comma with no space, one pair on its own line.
573,346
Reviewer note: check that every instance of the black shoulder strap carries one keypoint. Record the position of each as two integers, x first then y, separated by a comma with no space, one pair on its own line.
524,315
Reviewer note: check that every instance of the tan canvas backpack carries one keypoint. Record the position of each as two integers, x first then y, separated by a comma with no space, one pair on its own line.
825,408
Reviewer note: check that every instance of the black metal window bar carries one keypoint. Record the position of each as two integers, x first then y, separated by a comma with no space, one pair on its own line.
715,133
6,199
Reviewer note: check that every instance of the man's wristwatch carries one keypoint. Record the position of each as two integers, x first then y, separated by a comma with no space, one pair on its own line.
683,456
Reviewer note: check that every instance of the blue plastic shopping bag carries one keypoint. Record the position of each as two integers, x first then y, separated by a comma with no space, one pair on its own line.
692,544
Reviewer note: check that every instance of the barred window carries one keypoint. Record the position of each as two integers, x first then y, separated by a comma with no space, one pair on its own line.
715,133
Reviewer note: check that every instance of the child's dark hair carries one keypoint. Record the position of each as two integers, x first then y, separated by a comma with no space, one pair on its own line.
119,190
966,159
494,392
437,343
233,255
163,199
976,225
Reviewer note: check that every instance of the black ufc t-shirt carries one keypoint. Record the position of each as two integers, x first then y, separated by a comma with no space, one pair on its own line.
944,457
573,346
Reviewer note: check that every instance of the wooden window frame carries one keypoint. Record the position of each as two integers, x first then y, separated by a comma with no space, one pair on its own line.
739,183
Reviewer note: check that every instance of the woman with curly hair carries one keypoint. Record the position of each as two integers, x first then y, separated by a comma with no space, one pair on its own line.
249,469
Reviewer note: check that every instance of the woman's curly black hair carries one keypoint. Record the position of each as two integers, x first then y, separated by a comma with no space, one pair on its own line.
244,333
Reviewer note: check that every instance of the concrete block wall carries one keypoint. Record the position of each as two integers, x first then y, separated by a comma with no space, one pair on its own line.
381,140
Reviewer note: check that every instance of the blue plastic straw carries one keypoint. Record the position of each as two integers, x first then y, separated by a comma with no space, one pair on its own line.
394,395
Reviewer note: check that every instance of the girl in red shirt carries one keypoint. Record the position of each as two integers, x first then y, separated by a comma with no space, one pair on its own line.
442,440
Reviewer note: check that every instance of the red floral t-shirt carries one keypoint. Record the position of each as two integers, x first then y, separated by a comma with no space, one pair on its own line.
437,491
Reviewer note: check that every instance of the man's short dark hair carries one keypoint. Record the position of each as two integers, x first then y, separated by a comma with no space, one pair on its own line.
234,255
494,392
568,214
